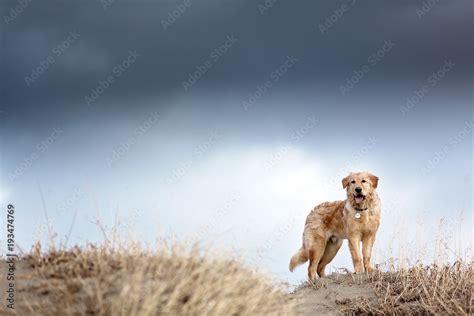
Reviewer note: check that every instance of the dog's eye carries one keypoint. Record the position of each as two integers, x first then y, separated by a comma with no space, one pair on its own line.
363,181
353,181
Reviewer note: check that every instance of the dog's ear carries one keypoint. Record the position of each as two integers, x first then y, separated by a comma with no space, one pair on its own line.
345,182
374,180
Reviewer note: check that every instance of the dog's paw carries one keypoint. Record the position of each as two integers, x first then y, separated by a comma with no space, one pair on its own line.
358,269
317,283
371,270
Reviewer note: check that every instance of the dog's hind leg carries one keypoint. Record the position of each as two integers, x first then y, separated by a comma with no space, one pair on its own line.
332,247
315,252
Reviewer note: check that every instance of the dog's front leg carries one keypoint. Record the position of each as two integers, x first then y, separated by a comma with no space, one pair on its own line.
367,244
354,247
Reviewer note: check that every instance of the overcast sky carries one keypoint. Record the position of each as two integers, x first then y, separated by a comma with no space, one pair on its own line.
227,121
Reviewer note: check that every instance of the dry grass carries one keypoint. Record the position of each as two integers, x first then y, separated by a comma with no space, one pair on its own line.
132,281
177,280
436,289
420,290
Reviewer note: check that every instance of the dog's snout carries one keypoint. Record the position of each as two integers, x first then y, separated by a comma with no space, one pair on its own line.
358,189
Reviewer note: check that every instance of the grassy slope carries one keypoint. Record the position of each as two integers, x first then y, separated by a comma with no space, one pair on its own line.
175,281
171,281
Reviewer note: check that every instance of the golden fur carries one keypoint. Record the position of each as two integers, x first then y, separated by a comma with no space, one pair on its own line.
357,219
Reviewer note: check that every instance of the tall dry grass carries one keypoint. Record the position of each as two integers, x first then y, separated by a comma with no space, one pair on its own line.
420,290
173,280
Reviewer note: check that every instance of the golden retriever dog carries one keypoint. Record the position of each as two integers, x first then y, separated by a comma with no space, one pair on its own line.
357,219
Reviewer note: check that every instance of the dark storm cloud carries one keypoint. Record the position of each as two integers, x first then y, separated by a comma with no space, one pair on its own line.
173,38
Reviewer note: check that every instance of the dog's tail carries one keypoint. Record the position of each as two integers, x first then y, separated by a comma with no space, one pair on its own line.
299,258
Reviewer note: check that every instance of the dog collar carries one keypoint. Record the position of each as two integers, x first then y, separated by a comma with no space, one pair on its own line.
358,211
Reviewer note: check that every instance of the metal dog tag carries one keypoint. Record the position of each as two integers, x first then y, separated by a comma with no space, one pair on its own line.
357,215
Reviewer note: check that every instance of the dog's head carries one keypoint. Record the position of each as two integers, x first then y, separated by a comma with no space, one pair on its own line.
360,187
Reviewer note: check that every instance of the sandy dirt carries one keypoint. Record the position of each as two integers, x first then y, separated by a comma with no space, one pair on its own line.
328,294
